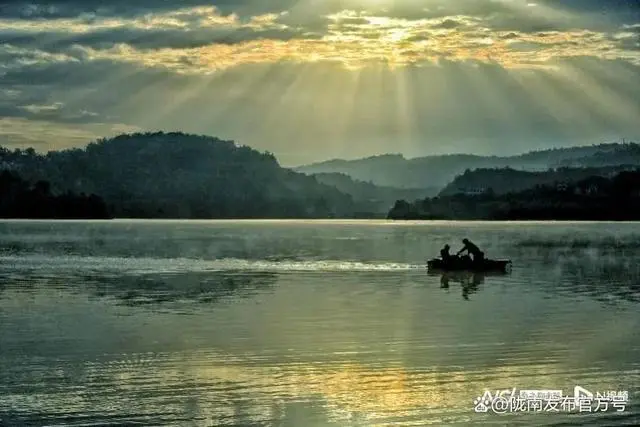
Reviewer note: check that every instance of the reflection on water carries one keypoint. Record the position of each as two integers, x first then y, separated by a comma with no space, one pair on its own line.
607,281
154,291
309,324
191,288
469,281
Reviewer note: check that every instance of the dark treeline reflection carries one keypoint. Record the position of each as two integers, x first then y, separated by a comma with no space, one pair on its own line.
154,290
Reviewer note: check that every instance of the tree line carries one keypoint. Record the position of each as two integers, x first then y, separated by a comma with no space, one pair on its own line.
595,199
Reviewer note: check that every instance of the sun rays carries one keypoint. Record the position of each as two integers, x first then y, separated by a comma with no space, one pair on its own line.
353,77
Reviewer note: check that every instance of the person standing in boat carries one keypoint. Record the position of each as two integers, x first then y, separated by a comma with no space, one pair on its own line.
472,249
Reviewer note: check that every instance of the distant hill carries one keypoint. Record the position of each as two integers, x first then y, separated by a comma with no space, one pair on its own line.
393,170
595,198
375,198
508,180
437,171
618,155
176,175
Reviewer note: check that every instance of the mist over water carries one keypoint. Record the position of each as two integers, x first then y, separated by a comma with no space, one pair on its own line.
310,323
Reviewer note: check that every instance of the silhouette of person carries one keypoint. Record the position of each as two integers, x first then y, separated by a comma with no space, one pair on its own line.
444,253
472,249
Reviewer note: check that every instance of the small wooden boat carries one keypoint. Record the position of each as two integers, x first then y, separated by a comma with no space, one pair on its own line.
466,264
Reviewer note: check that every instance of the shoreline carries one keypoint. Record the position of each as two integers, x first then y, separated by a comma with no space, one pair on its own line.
324,220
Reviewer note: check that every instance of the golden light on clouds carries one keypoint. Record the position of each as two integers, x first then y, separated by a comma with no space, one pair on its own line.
187,18
391,46
350,37
356,72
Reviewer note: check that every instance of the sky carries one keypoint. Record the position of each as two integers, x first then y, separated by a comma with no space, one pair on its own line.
311,80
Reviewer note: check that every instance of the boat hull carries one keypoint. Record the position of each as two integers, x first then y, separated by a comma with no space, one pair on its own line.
487,265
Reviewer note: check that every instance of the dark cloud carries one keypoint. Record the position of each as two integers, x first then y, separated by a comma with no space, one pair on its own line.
630,44
55,112
510,36
85,91
155,38
12,99
52,113
626,10
305,18
49,9
620,10
627,38
449,24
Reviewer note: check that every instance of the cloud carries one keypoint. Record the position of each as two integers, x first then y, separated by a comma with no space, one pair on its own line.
50,135
53,9
181,28
392,42
202,39
410,9
449,24
309,111
37,109
311,77
58,112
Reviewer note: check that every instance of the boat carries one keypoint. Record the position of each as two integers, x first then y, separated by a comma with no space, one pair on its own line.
466,264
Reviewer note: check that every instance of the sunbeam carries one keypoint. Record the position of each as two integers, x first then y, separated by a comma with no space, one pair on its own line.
540,86
347,76
605,102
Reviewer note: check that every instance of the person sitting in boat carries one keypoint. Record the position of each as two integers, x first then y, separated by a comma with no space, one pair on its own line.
444,253
472,249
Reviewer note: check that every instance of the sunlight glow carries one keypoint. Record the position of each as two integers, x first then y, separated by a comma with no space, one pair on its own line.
379,69
374,393
352,37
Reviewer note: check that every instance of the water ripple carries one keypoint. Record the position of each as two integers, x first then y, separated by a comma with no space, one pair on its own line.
281,323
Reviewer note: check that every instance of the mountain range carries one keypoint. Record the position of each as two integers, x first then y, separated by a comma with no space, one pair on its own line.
178,175
394,170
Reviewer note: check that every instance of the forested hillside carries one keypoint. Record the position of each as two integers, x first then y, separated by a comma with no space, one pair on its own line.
176,175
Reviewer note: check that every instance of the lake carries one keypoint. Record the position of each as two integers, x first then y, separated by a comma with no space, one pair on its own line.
313,323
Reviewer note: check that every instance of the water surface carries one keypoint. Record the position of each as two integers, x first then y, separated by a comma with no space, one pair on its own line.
310,323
